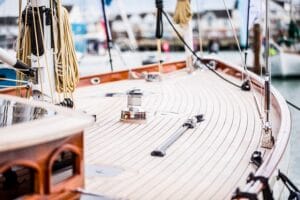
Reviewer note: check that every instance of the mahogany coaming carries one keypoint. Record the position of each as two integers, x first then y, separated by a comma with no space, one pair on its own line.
125,74
41,157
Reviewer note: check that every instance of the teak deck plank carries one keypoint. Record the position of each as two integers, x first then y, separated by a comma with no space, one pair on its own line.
207,162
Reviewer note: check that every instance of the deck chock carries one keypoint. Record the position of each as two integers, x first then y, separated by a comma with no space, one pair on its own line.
152,76
294,191
240,195
267,192
256,158
95,81
189,124
246,85
132,75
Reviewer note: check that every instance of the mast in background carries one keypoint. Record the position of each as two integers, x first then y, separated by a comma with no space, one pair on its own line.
130,33
108,35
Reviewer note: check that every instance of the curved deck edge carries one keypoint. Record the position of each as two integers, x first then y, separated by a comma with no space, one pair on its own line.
271,162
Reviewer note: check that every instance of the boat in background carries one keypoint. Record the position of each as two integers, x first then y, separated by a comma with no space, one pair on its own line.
284,63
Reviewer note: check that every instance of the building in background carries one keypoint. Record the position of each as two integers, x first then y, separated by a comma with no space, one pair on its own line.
87,23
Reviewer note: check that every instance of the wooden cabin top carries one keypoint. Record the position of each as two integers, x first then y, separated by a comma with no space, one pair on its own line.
36,122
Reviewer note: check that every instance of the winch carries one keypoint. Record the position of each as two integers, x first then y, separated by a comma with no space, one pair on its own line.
134,111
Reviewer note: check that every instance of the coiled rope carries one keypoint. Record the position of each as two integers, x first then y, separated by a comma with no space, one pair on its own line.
66,63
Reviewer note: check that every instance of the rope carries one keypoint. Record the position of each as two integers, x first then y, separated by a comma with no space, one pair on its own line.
183,13
65,60
235,37
46,57
38,51
9,86
67,64
244,61
23,43
14,80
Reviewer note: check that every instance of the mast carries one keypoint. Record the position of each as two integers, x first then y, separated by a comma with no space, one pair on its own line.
108,35
42,57
267,140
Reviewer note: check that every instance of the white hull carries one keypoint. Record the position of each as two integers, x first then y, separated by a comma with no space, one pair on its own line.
285,64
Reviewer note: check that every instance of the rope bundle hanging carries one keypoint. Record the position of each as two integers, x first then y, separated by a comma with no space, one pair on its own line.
67,75
65,60
183,16
183,13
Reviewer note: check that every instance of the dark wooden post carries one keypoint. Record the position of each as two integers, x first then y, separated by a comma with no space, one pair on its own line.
256,48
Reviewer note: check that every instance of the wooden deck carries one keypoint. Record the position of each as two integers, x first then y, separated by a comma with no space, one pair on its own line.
208,162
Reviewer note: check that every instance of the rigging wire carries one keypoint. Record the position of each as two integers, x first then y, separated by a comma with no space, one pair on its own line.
45,55
244,60
37,50
211,69
194,53
293,105
14,80
9,86
66,74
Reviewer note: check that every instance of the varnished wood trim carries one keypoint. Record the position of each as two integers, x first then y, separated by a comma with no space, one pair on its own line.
113,76
76,179
28,164
124,74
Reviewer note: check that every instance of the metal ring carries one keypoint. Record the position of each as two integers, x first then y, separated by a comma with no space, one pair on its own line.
95,81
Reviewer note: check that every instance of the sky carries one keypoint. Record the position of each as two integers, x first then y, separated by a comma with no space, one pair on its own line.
133,6
10,7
